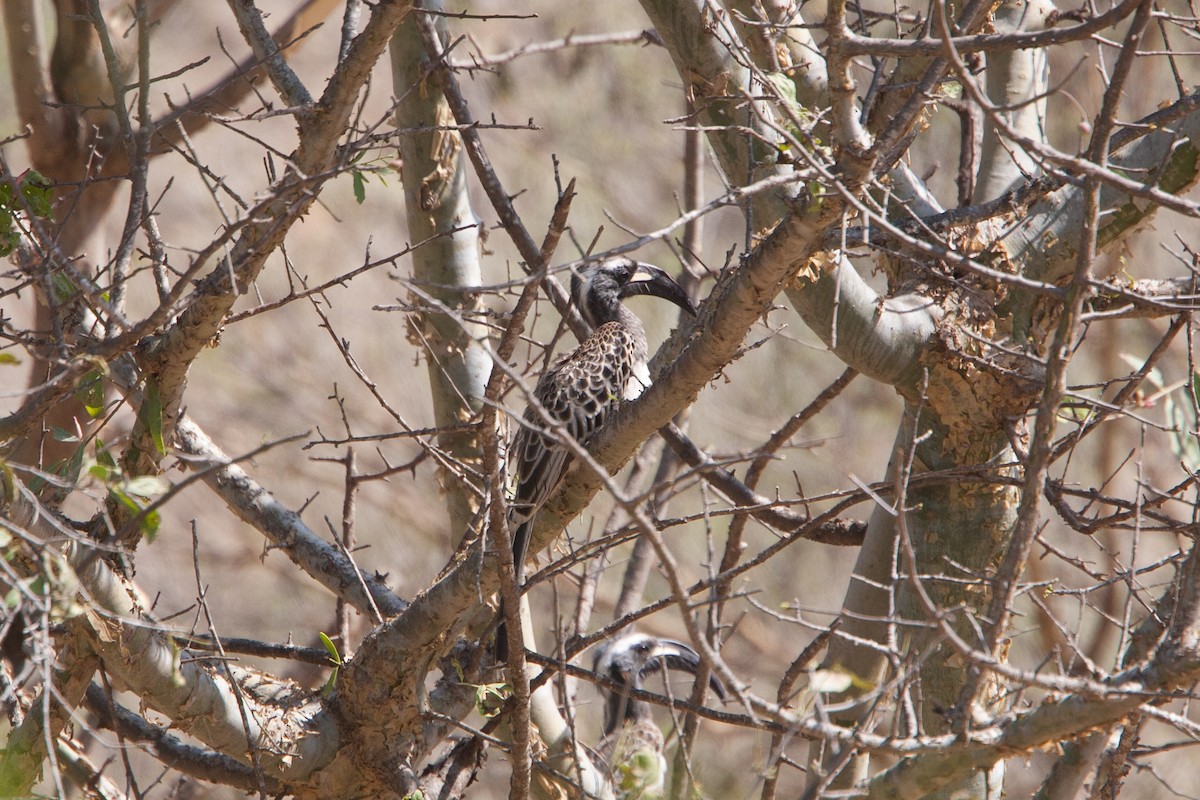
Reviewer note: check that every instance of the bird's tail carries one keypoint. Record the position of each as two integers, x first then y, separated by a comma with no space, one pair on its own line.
500,646
520,547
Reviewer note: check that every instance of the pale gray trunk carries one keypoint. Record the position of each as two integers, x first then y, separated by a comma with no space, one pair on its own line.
1016,83
446,270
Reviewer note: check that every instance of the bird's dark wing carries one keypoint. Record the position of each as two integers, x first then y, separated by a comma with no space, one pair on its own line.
578,393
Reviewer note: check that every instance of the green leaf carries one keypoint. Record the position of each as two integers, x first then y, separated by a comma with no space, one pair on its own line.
816,193
38,193
331,683
37,199
70,468
489,697
784,86
123,497
101,472
103,456
91,393
150,415
9,237
150,525
637,773
360,187
63,435
9,359
149,486
1080,414
335,657
149,522
62,287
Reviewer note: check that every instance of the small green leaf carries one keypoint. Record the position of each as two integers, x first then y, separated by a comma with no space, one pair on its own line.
125,500
37,197
70,469
64,290
103,456
331,683
335,657
150,415
39,194
816,193
149,486
1080,414
149,522
360,187
9,238
489,697
91,393
63,435
8,359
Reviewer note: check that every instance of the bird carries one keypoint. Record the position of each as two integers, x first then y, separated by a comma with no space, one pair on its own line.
582,389
631,749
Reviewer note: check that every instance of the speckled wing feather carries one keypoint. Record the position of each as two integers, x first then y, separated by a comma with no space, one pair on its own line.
578,392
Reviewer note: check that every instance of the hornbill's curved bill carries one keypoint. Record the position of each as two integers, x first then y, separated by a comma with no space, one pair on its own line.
632,745
580,391
629,659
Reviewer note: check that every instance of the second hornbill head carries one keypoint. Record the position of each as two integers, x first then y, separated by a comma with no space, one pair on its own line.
628,659
599,288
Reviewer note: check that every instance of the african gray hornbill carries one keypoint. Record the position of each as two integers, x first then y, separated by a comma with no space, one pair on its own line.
581,390
631,749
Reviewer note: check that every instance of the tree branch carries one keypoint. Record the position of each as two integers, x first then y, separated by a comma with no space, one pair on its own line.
256,506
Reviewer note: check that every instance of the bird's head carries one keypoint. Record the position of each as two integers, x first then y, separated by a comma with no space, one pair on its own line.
628,659
599,288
